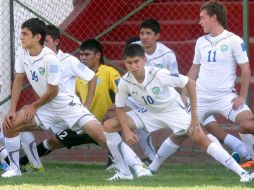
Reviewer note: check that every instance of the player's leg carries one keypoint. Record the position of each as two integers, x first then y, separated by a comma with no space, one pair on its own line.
235,144
12,142
123,155
29,146
218,153
145,142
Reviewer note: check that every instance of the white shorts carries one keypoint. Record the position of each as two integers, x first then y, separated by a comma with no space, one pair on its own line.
222,106
73,116
176,119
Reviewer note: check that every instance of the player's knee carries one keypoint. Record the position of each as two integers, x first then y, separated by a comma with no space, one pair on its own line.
111,125
54,143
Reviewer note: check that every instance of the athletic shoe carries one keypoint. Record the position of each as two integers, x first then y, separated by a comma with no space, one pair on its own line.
248,164
245,177
30,168
119,176
236,157
111,168
11,173
4,166
144,172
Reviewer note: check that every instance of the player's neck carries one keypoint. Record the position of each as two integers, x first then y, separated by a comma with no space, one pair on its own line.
95,68
217,31
34,51
140,77
151,49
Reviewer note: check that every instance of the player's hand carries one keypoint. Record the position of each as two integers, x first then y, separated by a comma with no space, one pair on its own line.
9,120
193,126
130,137
238,102
30,112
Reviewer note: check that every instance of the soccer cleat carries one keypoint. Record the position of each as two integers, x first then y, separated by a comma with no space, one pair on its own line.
111,168
245,177
144,172
30,168
248,164
11,173
119,176
4,166
236,157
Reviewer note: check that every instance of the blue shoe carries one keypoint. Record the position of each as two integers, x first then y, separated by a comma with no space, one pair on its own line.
236,157
4,166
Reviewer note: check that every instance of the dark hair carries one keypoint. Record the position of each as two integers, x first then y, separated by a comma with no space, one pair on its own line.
133,50
151,24
36,26
53,31
93,45
213,7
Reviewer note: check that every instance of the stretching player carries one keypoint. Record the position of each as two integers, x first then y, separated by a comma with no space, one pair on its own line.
152,88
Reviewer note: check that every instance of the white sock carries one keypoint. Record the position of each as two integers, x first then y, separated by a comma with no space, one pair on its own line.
248,141
12,146
3,153
145,143
132,158
237,146
214,139
1,138
29,145
116,147
167,148
221,155
46,145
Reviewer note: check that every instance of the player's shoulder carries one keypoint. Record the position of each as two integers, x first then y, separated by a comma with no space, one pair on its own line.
47,52
66,57
163,48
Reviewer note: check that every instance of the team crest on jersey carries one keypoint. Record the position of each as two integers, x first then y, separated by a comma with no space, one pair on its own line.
98,81
41,70
224,48
156,90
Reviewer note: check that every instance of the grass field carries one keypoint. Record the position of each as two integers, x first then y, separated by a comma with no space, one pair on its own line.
62,176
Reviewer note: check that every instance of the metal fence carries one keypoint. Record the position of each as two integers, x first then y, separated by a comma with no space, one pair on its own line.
112,22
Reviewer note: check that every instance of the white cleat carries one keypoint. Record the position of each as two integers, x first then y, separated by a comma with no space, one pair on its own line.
144,172
111,168
119,176
246,177
11,173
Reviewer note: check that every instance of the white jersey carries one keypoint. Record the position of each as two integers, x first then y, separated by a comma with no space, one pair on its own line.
40,70
72,68
162,57
154,92
218,57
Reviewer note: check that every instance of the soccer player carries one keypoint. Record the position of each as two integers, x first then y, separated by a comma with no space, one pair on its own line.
107,78
217,54
57,101
152,88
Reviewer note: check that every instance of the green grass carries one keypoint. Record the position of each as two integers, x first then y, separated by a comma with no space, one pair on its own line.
61,176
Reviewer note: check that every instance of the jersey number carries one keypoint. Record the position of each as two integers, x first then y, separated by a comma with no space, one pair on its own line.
211,55
34,76
148,100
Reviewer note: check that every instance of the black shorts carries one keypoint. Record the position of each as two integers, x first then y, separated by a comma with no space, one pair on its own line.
70,138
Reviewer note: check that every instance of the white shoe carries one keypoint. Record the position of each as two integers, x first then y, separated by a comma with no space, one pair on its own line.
120,176
144,172
246,177
111,168
11,173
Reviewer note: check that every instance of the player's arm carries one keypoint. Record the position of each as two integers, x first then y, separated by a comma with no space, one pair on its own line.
31,109
120,101
16,90
90,92
130,137
245,79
